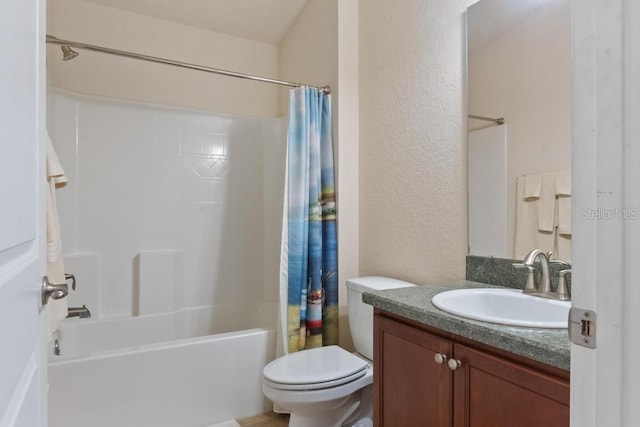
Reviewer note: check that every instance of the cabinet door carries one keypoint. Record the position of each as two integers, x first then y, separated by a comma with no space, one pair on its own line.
493,392
410,389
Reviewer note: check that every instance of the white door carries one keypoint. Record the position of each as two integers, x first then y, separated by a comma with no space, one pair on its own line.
22,353
605,381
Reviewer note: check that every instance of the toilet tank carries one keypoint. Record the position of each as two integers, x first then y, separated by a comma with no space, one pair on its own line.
361,314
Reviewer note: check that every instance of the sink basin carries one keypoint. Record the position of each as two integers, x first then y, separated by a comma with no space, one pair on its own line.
504,306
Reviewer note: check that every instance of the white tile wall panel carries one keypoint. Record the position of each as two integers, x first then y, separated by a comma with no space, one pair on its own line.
148,178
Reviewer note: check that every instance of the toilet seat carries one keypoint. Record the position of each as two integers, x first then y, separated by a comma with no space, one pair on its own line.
314,369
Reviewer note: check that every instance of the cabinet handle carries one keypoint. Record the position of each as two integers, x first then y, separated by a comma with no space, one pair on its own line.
454,364
440,358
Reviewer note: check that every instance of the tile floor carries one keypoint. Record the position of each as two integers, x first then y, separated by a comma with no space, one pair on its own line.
268,419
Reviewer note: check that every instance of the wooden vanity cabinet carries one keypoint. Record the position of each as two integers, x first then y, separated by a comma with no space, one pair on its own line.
489,388
409,388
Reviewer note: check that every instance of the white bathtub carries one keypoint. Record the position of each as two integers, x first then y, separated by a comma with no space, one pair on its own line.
181,369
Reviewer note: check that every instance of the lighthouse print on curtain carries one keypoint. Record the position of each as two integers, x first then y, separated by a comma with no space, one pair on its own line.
312,309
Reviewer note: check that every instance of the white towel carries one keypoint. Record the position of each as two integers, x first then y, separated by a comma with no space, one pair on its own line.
532,187
56,309
563,195
543,214
547,203
528,236
542,188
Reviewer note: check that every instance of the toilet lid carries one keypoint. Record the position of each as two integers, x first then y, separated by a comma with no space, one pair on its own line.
314,369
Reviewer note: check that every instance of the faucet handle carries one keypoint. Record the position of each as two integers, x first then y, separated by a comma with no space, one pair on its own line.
561,263
68,276
531,285
562,292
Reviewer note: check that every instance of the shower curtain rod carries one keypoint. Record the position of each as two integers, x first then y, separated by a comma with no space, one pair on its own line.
69,43
499,120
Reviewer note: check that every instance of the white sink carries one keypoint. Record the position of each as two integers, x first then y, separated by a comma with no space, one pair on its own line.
504,306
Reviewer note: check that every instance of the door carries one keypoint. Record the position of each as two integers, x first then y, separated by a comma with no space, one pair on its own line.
22,356
492,391
605,381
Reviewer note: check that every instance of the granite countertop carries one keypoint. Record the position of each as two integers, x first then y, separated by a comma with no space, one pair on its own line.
550,346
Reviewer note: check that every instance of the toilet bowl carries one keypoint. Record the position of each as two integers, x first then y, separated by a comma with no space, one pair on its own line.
328,386
320,387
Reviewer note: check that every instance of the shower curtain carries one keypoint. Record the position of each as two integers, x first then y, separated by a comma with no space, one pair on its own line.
309,276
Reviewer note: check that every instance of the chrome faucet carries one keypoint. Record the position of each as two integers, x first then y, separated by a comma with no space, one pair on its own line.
81,312
544,289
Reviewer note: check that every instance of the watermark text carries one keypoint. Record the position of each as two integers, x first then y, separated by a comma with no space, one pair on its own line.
619,213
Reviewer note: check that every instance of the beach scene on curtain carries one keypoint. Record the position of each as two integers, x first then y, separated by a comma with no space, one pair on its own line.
312,309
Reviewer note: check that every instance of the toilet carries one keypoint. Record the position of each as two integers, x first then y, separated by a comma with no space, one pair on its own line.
328,386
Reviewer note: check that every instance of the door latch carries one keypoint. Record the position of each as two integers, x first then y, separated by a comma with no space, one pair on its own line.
582,327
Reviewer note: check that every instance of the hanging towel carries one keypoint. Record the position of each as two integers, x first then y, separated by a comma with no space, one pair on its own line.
563,195
56,309
528,236
542,188
532,187
547,203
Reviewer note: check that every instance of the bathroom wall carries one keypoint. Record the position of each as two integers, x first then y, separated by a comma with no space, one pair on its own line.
107,75
308,53
537,50
167,207
348,169
413,222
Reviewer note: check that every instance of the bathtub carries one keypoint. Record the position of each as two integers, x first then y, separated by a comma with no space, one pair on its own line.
189,368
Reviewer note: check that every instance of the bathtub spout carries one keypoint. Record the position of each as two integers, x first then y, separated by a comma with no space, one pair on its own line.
81,312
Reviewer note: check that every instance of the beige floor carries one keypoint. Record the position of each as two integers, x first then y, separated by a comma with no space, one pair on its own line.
268,419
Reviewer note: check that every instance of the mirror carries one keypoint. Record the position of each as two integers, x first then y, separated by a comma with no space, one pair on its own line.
519,69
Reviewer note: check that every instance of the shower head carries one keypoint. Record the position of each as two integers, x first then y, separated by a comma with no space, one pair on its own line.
68,53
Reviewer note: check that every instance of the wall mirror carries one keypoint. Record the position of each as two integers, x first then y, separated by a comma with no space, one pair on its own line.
519,69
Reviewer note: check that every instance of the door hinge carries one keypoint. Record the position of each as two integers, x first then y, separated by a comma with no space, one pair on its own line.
582,327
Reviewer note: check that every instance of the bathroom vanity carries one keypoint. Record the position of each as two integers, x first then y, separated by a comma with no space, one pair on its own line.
433,368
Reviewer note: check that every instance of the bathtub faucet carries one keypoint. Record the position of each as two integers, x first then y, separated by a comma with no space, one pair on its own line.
81,312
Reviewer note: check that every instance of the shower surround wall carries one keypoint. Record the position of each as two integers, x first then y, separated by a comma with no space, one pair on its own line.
167,208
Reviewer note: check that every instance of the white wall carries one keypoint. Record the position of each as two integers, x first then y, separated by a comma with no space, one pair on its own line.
412,139
107,75
348,170
180,192
309,51
524,75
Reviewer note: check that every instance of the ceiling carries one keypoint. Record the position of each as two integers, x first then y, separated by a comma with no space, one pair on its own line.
260,20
